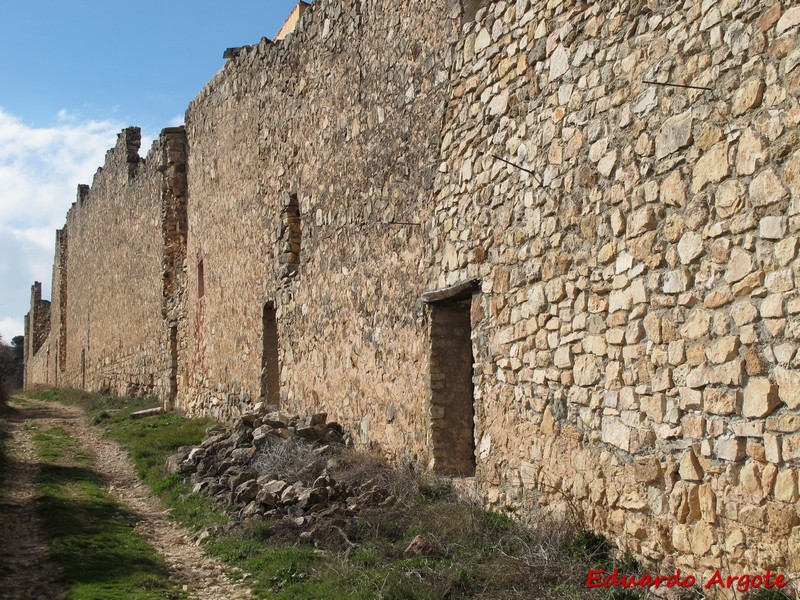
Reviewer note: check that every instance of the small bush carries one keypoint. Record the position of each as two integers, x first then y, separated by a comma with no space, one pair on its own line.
289,459
590,546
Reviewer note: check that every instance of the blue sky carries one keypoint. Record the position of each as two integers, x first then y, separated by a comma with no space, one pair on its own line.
72,75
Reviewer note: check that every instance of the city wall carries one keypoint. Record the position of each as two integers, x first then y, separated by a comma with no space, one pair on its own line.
637,324
553,245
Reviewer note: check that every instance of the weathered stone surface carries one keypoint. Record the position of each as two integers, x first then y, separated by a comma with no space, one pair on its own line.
675,133
760,398
740,265
750,153
697,325
647,469
690,468
730,449
779,281
791,447
773,228
788,381
587,370
749,96
675,282
786,486
728,198
690,247
712,167
723,349
789,19
766,189
563,357
559,62
616,433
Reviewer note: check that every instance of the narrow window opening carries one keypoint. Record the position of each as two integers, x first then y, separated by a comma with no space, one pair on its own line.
270,366
201,280
450,389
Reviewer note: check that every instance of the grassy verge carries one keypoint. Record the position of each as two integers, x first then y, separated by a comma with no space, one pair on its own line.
484,554
92,537
5,412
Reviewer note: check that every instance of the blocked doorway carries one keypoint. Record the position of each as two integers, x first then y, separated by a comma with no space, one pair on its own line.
450,393
270,366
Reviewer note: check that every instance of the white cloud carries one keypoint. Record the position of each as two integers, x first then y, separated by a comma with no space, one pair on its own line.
40,169
10,327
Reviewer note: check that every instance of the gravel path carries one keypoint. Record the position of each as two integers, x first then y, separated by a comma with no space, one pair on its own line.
190,566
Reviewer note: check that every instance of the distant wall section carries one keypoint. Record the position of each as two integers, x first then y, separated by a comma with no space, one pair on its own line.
118,266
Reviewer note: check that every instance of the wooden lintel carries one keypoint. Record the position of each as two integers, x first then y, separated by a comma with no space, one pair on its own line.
460,291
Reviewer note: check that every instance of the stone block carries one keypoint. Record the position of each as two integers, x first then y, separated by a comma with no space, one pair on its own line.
779,281
676,282
730,449
689,468
791,447
786,486
748,96
690,247
723,349
563,358
788,20
728,199
675,133
694,426
766,189
587,370
712,167
750,153
773,228
788,381
760,398
616,433
647,469
772,448
739,266
772,307
641,221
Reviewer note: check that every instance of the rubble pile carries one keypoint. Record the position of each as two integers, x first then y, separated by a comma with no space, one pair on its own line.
274,465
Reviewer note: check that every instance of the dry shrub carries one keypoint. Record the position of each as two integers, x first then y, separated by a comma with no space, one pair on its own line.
290,460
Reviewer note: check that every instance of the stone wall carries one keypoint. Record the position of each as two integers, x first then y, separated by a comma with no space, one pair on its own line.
37,346
323,217
552,242
113,290
636,333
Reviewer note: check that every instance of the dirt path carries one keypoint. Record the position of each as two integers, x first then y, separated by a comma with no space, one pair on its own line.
25,571
189,565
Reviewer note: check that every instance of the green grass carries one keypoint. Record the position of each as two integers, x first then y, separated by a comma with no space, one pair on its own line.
92,537
5,412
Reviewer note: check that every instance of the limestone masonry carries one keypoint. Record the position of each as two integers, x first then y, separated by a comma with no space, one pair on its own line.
549,244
